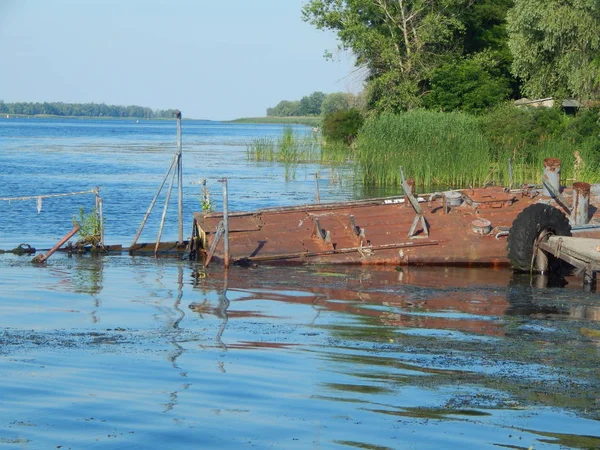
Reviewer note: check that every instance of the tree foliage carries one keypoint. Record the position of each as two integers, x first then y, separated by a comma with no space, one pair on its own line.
556,47
343,125
469,85
82,110
399,42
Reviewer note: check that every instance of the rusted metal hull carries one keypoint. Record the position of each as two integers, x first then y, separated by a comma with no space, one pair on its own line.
374,231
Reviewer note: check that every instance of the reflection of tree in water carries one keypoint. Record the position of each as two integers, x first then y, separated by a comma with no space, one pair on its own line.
87,278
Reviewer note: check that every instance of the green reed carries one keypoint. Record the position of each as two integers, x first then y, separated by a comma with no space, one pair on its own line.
451,149
291,147
433,148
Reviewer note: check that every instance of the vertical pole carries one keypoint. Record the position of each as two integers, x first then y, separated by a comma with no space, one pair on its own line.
552,172
510,174
179,178
101,216
581,202
225,223
317,194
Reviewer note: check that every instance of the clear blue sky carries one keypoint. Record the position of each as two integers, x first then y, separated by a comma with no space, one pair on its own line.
212,59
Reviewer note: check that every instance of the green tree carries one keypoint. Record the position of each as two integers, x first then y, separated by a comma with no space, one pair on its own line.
311,105
399,42
469,85
556,47
337,101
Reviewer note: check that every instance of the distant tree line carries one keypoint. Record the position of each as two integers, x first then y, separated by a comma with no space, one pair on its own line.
83,110
315,104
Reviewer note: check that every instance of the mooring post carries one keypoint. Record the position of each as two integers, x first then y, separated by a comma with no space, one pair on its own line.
99,213
225,223
581,202
552,173
179,178
317,194
510,173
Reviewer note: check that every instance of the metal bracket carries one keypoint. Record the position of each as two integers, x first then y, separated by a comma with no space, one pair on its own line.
320,232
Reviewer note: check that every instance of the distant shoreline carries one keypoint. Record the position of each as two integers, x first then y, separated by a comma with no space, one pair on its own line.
51,116
311,121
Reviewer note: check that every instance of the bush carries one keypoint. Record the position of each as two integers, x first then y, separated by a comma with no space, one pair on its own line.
342,125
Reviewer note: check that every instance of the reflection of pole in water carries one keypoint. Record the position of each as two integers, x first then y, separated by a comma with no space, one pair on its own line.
221,309
179,350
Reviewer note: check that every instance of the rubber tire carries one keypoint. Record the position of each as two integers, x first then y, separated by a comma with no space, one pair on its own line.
526,228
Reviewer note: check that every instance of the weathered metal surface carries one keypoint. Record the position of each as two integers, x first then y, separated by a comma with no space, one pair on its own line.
581,201
164,248
376,231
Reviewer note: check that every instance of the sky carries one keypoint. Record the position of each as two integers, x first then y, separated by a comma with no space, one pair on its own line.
211,59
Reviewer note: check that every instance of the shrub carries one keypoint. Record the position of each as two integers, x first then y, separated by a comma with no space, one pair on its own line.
342,125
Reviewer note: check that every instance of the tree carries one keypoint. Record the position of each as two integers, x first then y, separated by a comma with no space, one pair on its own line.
399,42
556,47
468,85
311,105
337,101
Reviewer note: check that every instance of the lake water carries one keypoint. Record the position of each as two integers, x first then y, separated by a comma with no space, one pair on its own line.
133,352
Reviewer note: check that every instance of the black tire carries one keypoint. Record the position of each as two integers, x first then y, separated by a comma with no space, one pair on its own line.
529,224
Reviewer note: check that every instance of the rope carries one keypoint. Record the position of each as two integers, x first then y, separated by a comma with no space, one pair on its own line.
39,197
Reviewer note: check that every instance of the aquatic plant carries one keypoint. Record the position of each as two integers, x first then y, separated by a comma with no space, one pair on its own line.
207,205
90,227
433,148
292,147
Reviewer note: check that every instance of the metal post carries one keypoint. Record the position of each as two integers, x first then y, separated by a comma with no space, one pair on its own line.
173,161
164,214
510,174
552,172
99,213
581,202
317,194
179,178
69,235
225,223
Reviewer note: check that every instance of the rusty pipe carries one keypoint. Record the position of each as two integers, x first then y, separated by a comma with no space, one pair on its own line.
69,235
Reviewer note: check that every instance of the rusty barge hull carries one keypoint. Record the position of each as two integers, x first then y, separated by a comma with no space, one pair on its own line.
378,231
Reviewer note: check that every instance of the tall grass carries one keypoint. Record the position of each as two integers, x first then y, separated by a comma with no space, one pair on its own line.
457,150
291,147
433,148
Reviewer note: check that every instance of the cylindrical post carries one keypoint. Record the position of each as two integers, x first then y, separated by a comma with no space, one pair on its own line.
69,235
411,184
552,172
225,223
510,174
179,178
101,218
581,202
317,194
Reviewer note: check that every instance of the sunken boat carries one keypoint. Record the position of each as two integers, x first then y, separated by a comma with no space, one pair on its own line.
490,226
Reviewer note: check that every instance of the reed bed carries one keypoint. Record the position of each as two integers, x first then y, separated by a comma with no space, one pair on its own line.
433,148
452,149
291,147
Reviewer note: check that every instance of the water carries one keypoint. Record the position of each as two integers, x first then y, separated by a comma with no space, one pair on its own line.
122,352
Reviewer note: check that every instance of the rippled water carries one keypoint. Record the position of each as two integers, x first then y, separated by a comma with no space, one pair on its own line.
122,352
